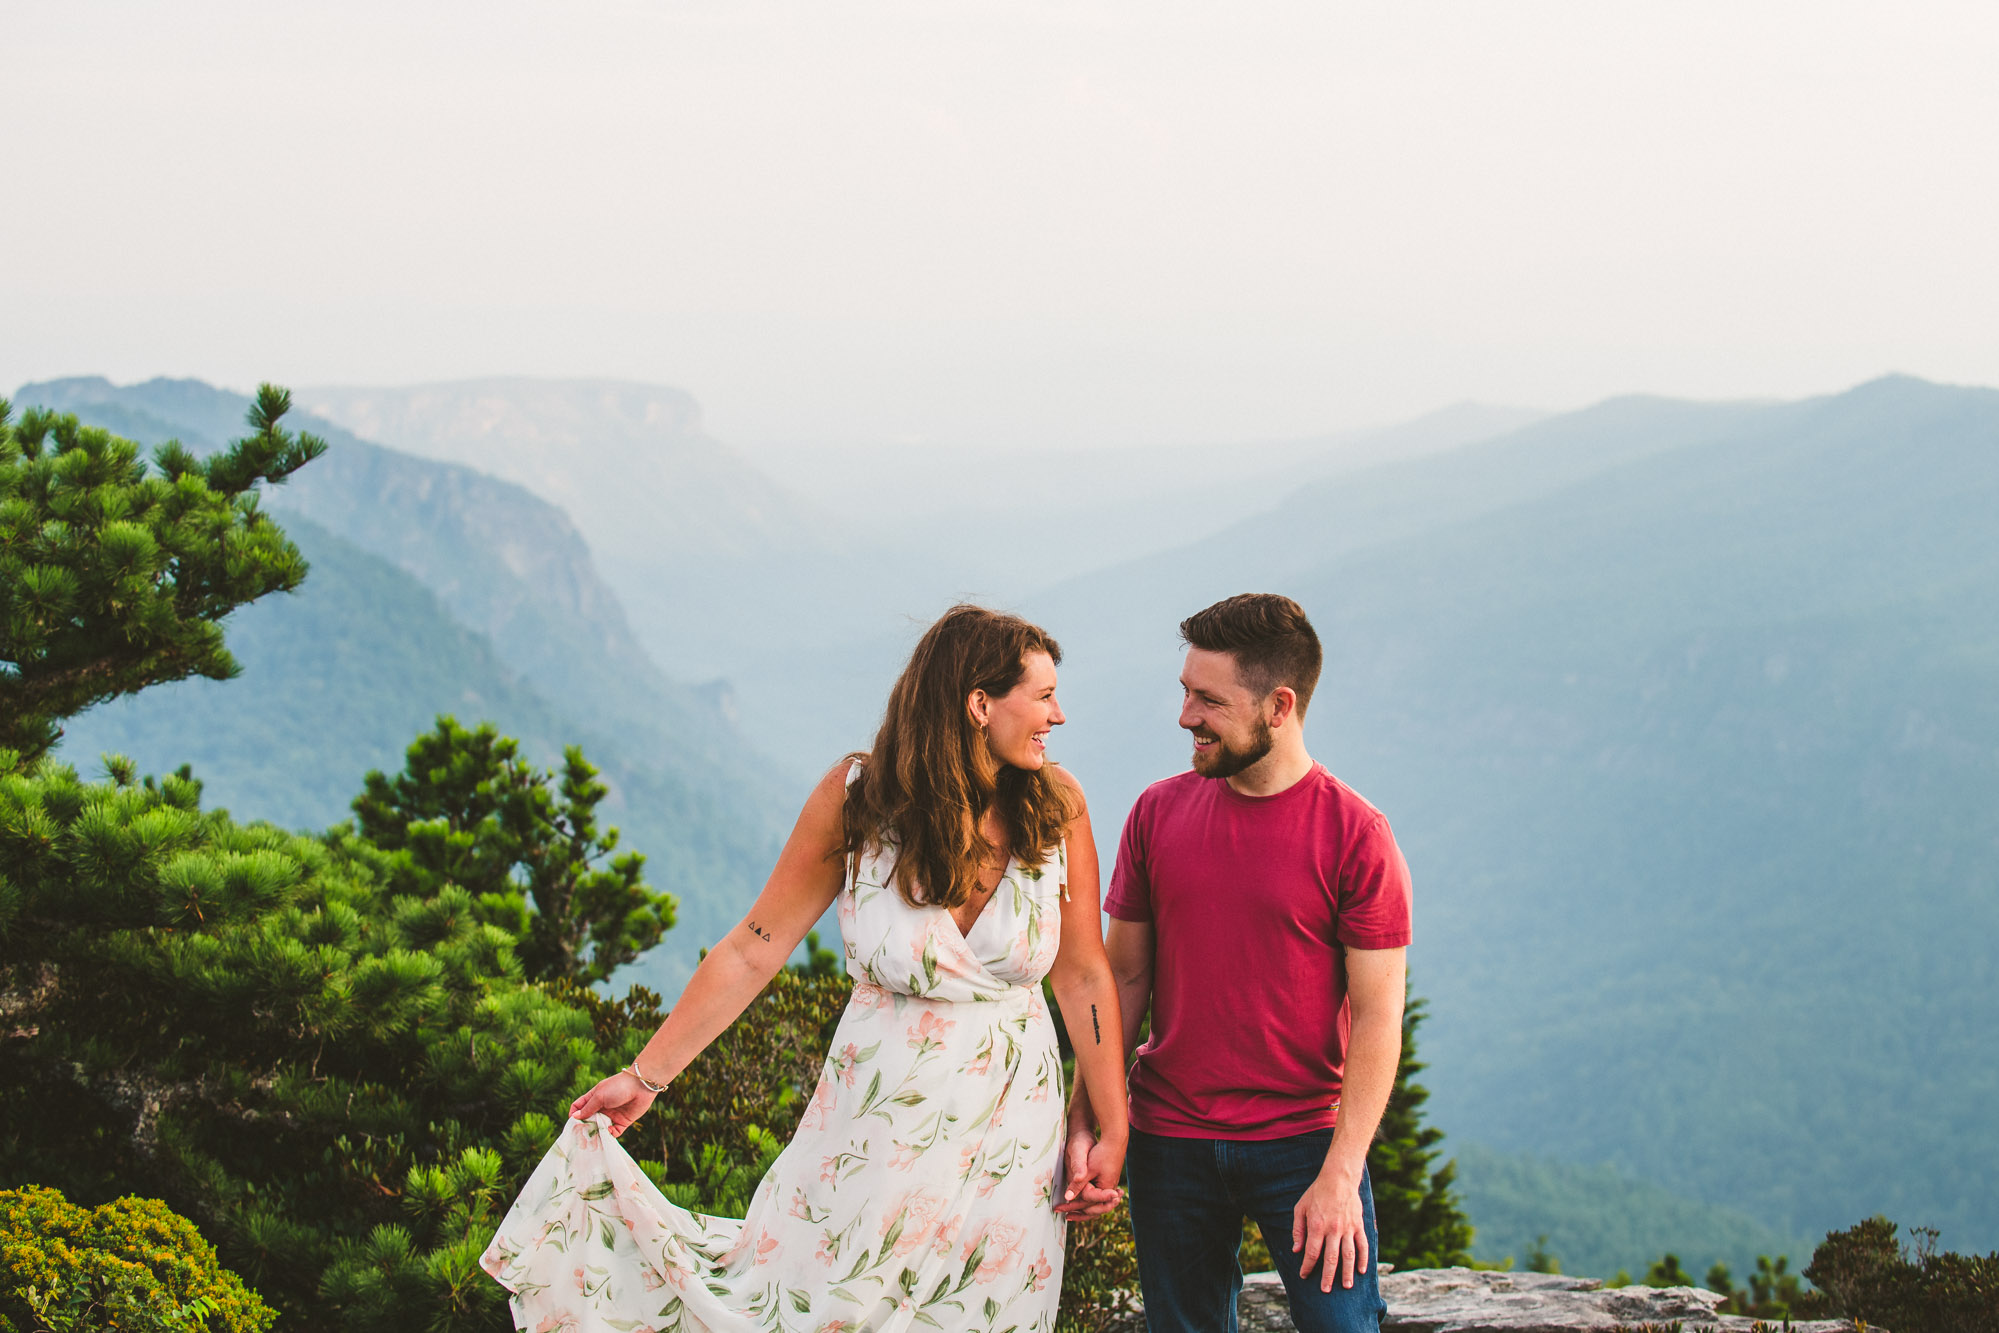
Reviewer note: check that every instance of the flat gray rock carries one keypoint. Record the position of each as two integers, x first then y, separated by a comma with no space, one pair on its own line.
1465,1300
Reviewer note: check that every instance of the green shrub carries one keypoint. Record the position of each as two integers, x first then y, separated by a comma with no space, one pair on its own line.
1867,1273
1099,1275
133,1265
1254,1254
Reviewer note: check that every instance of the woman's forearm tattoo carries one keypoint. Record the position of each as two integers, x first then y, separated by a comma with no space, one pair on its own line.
1096,1027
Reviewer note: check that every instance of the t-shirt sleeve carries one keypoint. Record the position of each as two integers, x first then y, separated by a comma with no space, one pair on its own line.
1130,898
1375,893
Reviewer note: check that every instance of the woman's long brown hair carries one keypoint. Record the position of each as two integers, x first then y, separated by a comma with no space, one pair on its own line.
922,789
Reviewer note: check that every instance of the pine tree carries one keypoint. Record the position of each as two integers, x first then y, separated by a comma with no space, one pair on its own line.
1666,1272
1416,1211
468,810
114,576
327,1057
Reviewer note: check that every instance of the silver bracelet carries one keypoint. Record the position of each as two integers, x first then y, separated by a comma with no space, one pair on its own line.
654,1088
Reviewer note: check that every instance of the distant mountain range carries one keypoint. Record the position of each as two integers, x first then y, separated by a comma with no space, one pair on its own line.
780,569
1685,714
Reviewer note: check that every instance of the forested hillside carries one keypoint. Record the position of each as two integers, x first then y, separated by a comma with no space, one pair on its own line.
1687,720
1596,1221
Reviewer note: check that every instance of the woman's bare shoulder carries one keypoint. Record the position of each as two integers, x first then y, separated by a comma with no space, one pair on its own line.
829,797
1069,784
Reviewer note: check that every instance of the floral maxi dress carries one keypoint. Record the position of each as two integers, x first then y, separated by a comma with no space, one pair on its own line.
918,1191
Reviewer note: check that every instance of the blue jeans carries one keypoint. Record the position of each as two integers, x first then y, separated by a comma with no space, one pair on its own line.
1188,1200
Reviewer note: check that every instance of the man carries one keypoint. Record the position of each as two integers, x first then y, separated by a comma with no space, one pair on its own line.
1261,910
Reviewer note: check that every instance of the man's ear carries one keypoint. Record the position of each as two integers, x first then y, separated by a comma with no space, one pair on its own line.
1283,707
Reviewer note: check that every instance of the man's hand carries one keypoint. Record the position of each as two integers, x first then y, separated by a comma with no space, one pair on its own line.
1328,1226
1091,1172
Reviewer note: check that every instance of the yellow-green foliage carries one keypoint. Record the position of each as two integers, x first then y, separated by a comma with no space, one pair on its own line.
132,1265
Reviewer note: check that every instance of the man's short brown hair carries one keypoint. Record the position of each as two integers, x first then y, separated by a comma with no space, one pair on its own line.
1268,636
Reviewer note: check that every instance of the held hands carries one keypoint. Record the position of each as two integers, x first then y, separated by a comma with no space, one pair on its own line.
621,1097
1328,1226
1092,1169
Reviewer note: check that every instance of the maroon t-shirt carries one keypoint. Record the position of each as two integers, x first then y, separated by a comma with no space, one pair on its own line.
1250,900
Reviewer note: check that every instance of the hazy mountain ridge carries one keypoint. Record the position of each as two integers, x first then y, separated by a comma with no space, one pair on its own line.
493,551
793,611
559,438
1092,507
1694,754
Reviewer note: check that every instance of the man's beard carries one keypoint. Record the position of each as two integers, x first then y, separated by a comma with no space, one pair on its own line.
1225,761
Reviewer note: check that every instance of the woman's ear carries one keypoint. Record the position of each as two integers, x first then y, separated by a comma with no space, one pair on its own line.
979,706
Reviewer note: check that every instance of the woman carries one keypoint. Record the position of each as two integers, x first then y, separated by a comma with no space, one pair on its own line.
927,1182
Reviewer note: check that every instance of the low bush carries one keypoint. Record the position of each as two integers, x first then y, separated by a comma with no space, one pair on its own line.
1869,1274
133,1265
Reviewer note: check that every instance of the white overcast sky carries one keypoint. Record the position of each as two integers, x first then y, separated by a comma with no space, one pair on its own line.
980,223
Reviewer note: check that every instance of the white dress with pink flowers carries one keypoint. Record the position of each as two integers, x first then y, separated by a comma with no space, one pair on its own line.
918,1191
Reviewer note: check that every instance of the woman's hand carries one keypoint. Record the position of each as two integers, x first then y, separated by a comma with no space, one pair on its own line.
1092,1170
621,1097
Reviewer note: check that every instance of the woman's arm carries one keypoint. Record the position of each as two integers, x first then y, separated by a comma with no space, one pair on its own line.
807,878
1128,945
1087,993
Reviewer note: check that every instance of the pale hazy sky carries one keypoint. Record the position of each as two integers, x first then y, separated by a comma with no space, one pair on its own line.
978,223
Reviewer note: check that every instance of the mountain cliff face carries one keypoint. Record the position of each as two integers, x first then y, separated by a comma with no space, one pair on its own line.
678,523
565,439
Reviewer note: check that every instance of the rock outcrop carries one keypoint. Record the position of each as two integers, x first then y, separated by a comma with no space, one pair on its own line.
1464,1300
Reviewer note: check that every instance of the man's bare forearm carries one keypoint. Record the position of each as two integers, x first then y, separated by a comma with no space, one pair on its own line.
1377,985
1373,1051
